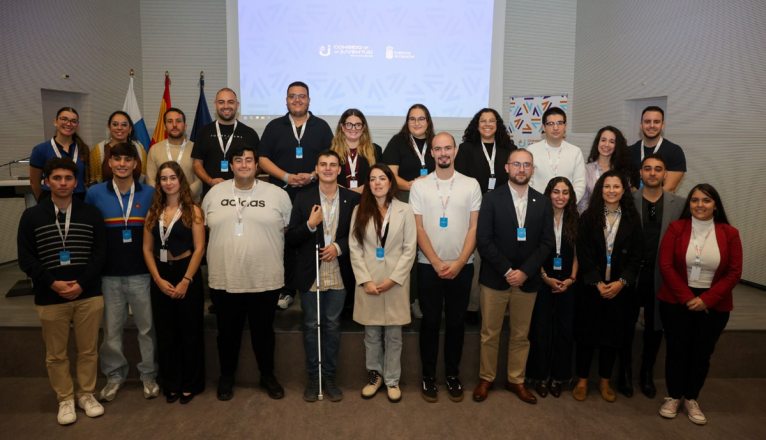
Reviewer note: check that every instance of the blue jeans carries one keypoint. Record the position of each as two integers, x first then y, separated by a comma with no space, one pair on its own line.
119,293
332,305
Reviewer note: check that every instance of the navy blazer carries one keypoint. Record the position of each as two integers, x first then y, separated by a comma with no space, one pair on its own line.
300,237
497,244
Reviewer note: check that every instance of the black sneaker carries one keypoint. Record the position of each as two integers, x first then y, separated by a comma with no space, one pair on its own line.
225,387
273,387
331,390
311,394
429,391
455,389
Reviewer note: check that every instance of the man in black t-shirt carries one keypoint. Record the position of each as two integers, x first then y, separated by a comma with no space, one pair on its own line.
652,124
215,139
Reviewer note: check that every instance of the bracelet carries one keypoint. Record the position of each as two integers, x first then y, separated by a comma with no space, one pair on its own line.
286,178
191,280
574,280
544,275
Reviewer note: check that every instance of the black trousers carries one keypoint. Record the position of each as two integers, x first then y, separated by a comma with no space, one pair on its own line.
259,309
652,339
691,338
551,336
179,324
450,296
606,358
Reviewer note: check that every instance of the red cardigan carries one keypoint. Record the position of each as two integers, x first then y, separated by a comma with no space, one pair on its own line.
675,284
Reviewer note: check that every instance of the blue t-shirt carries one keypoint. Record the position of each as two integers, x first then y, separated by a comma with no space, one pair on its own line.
122,259
43,152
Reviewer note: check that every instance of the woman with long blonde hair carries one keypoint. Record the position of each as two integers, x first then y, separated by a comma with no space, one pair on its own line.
353,144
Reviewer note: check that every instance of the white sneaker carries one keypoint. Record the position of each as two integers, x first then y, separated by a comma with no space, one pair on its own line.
416,312
66,412
110,391
372,387
284,301
90,405
694,411
670,408
151,389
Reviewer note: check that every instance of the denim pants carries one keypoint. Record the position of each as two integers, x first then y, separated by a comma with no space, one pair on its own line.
119,293
383,351
332,305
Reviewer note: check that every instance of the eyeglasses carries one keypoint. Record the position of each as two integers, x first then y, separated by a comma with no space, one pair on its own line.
517,165
350,125
414,119
116,124
293,96
652,211
488,121
552,123
65,121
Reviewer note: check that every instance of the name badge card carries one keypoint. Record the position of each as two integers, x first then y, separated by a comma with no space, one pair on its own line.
521,234
696,272
127,236
65,258
423,172
608,275
354,184
492,181
224,166
443,222
299,152
164,255
380,254
327,239
557,263
239,229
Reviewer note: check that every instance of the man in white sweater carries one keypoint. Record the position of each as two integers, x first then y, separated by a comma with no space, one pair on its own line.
554,157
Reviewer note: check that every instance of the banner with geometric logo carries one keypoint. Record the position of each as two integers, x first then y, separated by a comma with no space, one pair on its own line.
526,121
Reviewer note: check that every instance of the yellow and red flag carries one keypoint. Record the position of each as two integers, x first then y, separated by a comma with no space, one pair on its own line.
159,130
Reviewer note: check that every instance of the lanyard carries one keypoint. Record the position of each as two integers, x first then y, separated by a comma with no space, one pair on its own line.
125,214
327,221
656,149
491,160
183,146
239,206
611,231
220,139
449,194
554,168
421,154
383,226
58,153
295,130
557,231
352,161
66,224
163,233
697,248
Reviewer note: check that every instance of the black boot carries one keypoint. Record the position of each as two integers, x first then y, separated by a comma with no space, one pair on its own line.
646,382
625,381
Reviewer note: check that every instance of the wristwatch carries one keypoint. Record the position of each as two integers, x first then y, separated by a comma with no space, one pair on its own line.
624,281
313,178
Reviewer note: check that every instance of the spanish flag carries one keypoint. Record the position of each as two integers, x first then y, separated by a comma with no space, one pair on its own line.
159,130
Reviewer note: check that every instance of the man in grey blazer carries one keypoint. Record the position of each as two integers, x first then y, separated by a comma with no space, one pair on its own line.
658,208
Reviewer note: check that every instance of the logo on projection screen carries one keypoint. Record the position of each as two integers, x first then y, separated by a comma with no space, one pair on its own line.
389,52
322,51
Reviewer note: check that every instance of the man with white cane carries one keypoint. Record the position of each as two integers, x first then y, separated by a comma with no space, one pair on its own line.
319,228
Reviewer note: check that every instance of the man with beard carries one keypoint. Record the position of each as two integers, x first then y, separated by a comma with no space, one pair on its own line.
652,124
446,205
175,148
215,139
289,151
515,235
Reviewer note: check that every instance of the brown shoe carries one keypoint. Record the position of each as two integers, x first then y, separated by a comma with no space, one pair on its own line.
542,388
555,389
482,390
521,391
580,393
607,393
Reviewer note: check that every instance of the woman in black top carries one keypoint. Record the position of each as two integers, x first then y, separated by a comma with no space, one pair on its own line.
353,144
404,151
173,248
549,364
484,135
609,251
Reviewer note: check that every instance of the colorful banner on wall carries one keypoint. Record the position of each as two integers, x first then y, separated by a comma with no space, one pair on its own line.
526,121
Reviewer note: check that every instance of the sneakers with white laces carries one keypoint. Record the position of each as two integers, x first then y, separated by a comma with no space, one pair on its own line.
66,412
694,412
110,391
372,387
670,408
151,389
90,405
284,301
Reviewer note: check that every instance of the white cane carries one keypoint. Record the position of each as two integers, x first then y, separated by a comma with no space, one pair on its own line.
319,326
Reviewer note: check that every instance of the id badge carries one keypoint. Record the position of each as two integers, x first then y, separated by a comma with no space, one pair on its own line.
354,184
521,234
239,229
492,181
327,239
380,254
164,255
443,222
608,275
423,172
557,263
299,152
64,258
127,236
695,275
224,166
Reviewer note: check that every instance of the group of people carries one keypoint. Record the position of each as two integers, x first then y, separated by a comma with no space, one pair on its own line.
569,250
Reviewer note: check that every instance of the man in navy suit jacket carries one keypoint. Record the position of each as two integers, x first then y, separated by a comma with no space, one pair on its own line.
514,237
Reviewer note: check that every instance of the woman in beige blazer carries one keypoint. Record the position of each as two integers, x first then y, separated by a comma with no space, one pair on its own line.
383,244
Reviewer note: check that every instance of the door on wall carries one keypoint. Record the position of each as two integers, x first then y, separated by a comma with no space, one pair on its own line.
635,108
53,100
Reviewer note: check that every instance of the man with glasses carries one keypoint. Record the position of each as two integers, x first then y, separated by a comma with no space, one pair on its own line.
554,157
175,148
289,151
658,208
514,237
446,205
652,124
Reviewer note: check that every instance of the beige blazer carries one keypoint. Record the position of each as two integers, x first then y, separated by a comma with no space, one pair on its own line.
393,306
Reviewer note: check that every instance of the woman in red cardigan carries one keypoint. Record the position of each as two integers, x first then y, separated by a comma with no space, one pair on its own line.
700,262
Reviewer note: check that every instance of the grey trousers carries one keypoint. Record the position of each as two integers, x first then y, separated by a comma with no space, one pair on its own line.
383,349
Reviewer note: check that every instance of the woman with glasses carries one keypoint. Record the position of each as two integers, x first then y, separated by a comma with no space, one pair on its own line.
120,131
65,143
609,251
700,262
608,152
353,144
408,153
485,150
